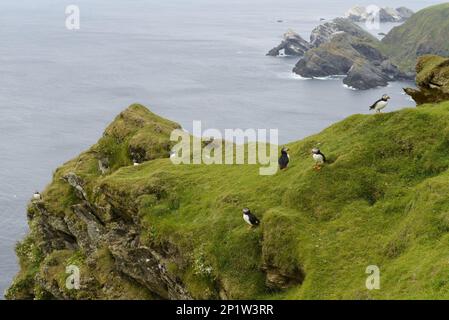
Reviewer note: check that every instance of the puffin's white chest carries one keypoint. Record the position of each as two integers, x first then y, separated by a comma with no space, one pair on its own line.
246,218
318,158
381,105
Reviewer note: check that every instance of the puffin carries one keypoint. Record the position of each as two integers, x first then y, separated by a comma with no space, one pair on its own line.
380,104
37,196
319,158
284,159
250,218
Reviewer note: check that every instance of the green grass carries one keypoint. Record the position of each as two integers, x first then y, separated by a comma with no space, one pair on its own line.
428,28
381,200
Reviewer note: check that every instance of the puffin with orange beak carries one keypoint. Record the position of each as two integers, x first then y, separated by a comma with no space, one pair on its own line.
380,104
319,158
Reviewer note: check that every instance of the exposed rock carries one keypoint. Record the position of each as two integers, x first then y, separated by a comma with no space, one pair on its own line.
100,234
325,32
405,13
103,165
103,228
432,80
53,230
77,183
391,59
279,280
363,14
357,14
323,61
148,268
292,45
343,48
364,75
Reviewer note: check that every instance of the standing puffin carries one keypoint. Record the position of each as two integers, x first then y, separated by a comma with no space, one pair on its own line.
250,218
284,159
37,196
380,104
319,158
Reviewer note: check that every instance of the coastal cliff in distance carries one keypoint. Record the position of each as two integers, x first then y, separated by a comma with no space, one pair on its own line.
423,33
162,231
341,47
361,14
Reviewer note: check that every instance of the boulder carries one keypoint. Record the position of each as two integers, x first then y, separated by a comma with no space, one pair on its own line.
292,45
364,75
432,80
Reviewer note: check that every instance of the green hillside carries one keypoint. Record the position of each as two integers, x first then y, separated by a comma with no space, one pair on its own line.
381,200
426,32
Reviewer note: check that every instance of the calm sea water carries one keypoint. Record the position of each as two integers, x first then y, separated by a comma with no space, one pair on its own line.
186,60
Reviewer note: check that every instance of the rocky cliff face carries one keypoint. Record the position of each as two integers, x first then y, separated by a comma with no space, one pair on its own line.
423,33
292,45
361,14
342,48
102,226
432,80
93,228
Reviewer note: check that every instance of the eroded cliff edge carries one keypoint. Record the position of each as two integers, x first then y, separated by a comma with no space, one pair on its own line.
432,80
92,217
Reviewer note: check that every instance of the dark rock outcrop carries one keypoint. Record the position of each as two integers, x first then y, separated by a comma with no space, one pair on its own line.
95,230
405,12
432,80
323,61
343,48
324,33
340,48
292,45
376,62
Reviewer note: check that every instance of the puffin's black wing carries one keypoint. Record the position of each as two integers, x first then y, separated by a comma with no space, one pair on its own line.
253,219
375,103
283,161
324,157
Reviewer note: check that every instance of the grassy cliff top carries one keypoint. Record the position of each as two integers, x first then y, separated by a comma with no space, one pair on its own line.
381,200
424,33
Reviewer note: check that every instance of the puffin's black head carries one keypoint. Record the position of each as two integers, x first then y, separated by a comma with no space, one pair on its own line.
246,211
285,150
386,97
316,151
